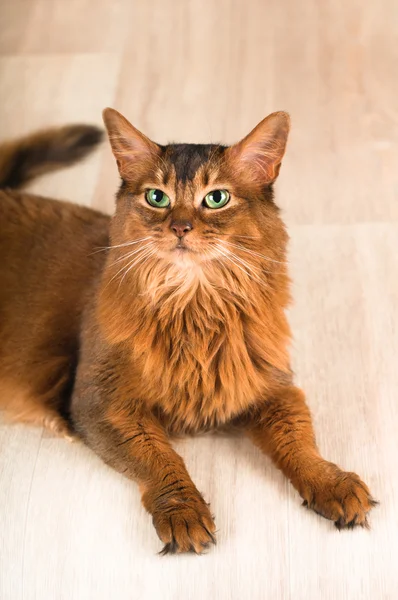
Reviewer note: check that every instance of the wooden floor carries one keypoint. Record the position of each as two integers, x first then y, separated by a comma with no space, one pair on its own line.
203,70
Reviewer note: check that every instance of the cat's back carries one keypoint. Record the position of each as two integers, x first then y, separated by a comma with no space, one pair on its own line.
46,243
49,258
48,261
40,234
22,210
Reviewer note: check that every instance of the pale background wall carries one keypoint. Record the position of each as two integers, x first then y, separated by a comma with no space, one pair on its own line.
198,70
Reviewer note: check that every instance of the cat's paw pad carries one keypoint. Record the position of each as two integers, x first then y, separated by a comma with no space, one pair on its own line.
341,497
185,525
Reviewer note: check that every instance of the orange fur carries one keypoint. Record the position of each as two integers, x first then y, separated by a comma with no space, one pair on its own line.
178,326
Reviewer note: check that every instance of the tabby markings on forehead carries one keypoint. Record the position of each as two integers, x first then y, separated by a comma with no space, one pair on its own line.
188,158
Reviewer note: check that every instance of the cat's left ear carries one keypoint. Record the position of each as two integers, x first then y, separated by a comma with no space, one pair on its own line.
260,153
132,149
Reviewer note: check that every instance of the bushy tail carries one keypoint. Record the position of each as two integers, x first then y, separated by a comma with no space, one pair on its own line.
28,157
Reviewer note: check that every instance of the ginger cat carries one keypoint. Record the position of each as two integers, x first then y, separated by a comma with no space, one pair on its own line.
177,326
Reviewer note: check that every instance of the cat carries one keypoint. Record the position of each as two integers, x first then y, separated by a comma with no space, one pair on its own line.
167,318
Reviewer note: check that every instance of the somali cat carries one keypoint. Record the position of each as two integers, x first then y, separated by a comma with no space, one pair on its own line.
177,326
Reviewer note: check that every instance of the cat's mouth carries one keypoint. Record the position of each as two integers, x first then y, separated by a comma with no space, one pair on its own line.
184,255
181,247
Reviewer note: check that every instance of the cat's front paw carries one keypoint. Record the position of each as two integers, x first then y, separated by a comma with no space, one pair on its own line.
339,496
184,523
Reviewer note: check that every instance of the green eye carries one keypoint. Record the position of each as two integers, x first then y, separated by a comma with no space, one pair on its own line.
157,198
216,199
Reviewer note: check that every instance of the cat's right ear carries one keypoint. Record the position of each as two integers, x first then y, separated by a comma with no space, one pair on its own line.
131,148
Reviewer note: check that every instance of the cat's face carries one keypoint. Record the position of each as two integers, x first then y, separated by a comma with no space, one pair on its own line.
190,204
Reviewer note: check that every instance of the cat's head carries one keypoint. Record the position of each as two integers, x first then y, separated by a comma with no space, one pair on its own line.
194,206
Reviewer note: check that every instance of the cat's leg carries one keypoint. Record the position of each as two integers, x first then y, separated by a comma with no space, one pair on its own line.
135,444
283,429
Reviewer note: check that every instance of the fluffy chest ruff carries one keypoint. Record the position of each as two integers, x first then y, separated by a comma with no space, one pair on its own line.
200,353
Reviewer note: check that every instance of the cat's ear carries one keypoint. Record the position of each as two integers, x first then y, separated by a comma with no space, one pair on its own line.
260,153
131,148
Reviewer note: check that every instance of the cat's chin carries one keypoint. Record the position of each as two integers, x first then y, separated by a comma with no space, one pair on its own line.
184,258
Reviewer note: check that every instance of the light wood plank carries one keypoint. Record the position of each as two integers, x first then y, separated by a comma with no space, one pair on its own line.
39,91
55,26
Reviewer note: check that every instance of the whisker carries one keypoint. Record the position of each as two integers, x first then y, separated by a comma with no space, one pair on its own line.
236,257
102,249
248,273
125,266
148,254
129,254
240,247
248,265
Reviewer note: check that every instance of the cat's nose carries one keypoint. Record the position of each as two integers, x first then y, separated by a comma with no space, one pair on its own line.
181,228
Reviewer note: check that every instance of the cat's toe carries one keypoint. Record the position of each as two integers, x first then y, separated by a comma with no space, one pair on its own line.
341,497
185,527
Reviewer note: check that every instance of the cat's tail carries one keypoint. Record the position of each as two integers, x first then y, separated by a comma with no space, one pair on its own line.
28,157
